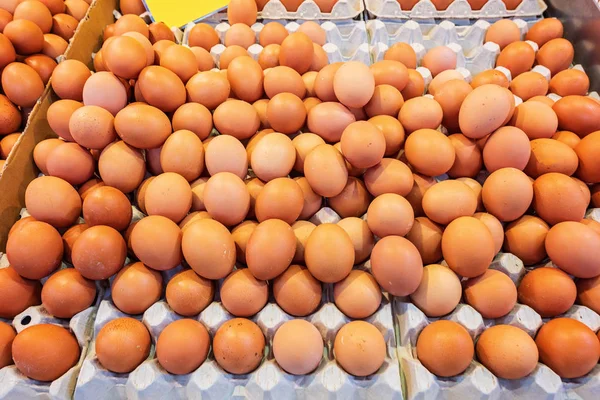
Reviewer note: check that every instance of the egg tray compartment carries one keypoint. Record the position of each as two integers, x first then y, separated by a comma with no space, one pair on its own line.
346,41
457,10
16,386
477,382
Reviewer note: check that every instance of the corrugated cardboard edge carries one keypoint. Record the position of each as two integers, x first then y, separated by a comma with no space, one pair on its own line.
20,168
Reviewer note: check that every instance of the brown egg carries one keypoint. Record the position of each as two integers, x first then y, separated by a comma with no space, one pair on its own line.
396,265
69,78
390,214
503,33
442,78
26,36
64,26
358,295
297,52
45,352
329,120
204,60
254,187
439,292
492,294
324,83
353,201
572,355
281,198
320,59
402,52
89,186
261,110
389,176
578,114
286,113
425,141
208,88
325,265
282,79
450,96
238,346
212,261
35,12
107,206
242,294
99,252
136,288
270,249
363,144
193,217
499,197
42,196
495,227
122,166
354,84
543,99
477,119
59,114
229,54
536,119
548,155
468,160
43,65
226,198
182,346
203,35
545,30
392,131
183,154
438,59
361,236
17,293
154,82
572,246
226,154
588,293
188,294
468,246
122,345
98,85
22,221
490,76
92,127
359,348
528,85
239,35
506,147
272,33
246,78
312,201
298,347
309,79
507,351
420,113
556,55
22,84
321,158
7,143
302,230
241,235
525,239
7,336
156,241
570,82
296,291
160,31
169,195
180,60
69,239
517,57
557,198
549,291
445,348
415,196
390,73
124,56
304,144
10,117
427,238
588,161
236,118
447,200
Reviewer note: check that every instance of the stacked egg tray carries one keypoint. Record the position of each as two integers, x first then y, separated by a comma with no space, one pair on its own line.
268,381
15,385
477,382
457,10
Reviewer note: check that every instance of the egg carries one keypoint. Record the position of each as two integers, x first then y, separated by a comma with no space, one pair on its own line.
254,187
25,35
69,239
506,147
169,195
22,84
570,82
323,87
361,236
17,293
154,82
122,345
286,113
203,35
390,214
183,154
44,193
236,118
359,348
588,294
7,336
328,120
492,294
402,52
246,78
59,114
528,85
105,90
439,59
296,291
309,79
354,84
548,155
358,295
10,116
396,265
239,35
64,26
525,239
545,30
503,33
447,200
495,227
180,60
536,119
572,246
204,60
415,197
320,59
445,348
324,264
314,31
499,197
570,355
107,206
241,234
160,31
468,160
588,161
225,185
281,79
439,292
468,246
122,166
242,294
353,201
67,293
390,73
420,113
182,346
363,144
424,141
450,96
517,57
242,11
297,52
229,54
389,176
272,33
557,198
7,143
312,201
534,291
304,144
490,76
208,88
270,249
211,262
477,119
393,132
89,186
45,352
507,351
225,153
92,127
188,293
135,288
124,56
298,347
556,55
238,346
99,252
43,65
281,198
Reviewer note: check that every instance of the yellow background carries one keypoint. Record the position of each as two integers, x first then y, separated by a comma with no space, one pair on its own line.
180,12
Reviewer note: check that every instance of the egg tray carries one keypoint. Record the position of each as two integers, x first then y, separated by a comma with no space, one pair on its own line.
346,41
269,381
457,10
477,382
16,386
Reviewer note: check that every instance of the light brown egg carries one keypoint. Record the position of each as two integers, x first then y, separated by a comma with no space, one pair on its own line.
236,118
42,64
361,236
283,79
425,141
499,191
389,176
241,235
320,59
131,23
415,196
273,157
324,82
392,73
543,99
445,348
188,294
390,214
352,201
443,77
204,60
105,90
528,85
477,119
69,239
239,35
329,120
254,187
297,52
396,265
182,346
386,100
26,36
45,352
281,198
7,336
359,348
17,293
322,262
393,133
468,246
549,155
545,30
439,292
36,12
160,31
124,56
506,147
238,346
363,144
242,294
402,52
572,246
261,109
314,31
468,160
70,162
549,291
203,35
107,206
490,76
570,82
135,288
420,113
302,230
169,195
426,235
154,82
298,347
517,57
229,54
226,198
64,26
286,113
578,114
503,33
180,60
588,158
312,201
358,295
89,186
450,96
42,196
7,143
198,89
448,200
354,84
556,55
22,84
183,154
122,345
588,293
246,78
326,158
304,144
309,78
226,154
492,294
557,198
156,241
570,356
507,351
438,59
193,117
242,11
122,166
92,127
296,291
272,33
525,239
99,252
10,116
536,119
495,226
270,249
59,114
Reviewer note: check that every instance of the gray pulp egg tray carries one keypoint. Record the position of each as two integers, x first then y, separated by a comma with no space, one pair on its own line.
457,10
16,386
269,381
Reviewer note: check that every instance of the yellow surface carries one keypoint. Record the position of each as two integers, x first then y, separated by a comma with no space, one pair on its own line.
180,12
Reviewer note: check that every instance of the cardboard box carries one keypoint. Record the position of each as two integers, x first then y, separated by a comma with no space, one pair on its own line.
20,168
